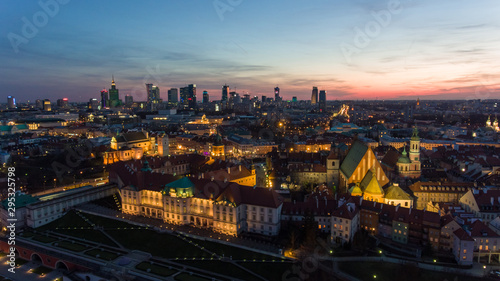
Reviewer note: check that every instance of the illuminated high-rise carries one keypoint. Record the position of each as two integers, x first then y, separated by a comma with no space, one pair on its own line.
173,96
11,102
206,97
114,96
104,98
225,92
47,105
322,101
188,96
314,96
277,97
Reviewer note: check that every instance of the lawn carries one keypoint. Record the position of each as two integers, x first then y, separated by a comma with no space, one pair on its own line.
270,271
88,234
188,277
75,247
20,262
158,244
103,255
387,271
221,267
70,219
109,223
229,251
44,239
41,270
155,269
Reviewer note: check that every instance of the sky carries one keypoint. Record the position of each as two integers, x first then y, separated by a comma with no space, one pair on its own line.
353,49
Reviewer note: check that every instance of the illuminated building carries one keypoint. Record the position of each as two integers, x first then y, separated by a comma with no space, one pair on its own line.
47,105
11,102
173,96
114,96
314,96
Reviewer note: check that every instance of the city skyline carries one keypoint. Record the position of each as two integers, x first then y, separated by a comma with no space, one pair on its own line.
359,50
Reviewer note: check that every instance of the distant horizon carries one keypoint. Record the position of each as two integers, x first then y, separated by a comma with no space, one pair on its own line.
355,50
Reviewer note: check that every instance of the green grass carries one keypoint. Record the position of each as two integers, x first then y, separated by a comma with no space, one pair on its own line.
20,262
187,277
70,219
229,251
270,271
108,223
387,271
44,239
221,267
41,270
155,269
103,255
88,234
158,244
75,247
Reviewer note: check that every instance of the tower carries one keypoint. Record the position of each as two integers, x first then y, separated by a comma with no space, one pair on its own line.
162,141
277,97
173,96
415,166
488,122
206,98
314,96
225,92
332,168
114,96
322,101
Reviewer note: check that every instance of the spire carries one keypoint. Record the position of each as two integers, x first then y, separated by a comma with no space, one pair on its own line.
404,152
415,136
112,80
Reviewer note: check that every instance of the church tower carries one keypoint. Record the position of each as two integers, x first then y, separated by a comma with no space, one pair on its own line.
162,142
332,168
415,152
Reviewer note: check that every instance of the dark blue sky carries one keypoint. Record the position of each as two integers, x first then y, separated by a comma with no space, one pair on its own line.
352,49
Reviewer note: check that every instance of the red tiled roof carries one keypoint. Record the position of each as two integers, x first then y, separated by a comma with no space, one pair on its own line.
479,229
462,235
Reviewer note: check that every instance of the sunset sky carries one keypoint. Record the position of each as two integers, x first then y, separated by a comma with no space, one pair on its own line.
364,49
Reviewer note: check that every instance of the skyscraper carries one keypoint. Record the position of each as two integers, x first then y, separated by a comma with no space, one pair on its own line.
264,98
322,101
129,100
314,96
39,104
93,103
62,103
225,92
294,99
46,105
173,96
277,97
114,96
206,97
153,94
188,96
11,102
104,98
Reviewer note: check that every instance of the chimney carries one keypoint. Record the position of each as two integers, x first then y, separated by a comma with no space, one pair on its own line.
228,170
225,180
239,167
498,199
317,202
397,207
326,201
374,203
212,179
492,200
409,212
202,175
361,200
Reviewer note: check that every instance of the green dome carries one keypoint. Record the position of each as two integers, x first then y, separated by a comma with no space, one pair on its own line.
404,158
